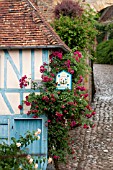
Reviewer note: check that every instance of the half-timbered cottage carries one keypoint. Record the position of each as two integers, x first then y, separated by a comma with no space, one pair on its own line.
26,40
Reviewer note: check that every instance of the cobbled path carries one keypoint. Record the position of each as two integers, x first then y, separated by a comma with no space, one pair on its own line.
97,153
94,146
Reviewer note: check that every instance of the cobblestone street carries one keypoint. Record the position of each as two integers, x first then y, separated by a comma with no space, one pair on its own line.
97,153
94,147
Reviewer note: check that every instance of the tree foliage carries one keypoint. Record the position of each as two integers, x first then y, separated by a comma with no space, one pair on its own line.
104,52
103,30
78,30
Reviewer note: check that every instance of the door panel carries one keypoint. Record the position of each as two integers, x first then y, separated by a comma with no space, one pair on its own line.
16,125
24,125
21,126
4,131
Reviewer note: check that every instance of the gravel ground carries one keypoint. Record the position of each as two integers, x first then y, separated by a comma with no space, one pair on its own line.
94,147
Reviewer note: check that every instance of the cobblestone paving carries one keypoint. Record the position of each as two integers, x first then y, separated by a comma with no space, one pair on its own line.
94,147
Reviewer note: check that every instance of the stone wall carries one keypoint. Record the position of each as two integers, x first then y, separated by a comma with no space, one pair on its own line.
47,6
98,5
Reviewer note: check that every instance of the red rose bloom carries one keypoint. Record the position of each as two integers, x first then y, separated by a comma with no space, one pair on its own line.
20,107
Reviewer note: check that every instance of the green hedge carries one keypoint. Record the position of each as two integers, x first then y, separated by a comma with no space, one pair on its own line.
104,52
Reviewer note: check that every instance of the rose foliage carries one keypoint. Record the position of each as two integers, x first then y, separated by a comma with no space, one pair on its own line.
15,156
65,109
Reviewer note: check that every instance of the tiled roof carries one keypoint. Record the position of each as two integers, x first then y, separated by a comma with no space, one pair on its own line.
23,26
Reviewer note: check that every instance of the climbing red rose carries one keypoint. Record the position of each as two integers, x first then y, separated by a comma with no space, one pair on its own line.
70,70
73,123
20,107
81,88
56,157
80,80
65,109
78,53
23,82
46,78
56,54
45,98
86,126
27,103
42,69
67,63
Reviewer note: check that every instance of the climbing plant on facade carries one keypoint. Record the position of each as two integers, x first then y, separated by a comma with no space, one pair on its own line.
65,109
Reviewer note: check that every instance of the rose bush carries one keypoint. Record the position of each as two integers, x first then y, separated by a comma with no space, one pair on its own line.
65,109
15,156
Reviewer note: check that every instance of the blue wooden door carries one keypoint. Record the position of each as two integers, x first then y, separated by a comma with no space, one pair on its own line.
14,126
22,125
38,148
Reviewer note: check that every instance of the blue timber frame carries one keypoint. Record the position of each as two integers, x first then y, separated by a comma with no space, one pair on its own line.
19,75
7,122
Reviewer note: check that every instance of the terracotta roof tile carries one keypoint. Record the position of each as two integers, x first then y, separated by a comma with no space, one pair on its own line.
22,25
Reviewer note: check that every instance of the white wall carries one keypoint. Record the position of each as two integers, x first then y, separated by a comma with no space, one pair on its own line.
12,82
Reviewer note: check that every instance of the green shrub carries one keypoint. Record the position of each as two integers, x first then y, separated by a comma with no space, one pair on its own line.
104,52
78,31
15,156
101,32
